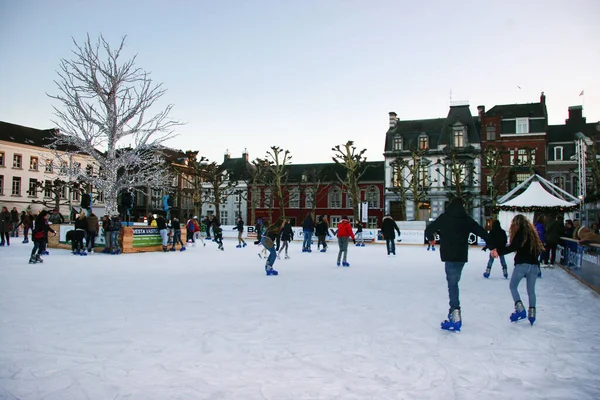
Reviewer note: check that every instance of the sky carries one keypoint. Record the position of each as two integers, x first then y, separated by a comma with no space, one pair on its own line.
309,75
167,326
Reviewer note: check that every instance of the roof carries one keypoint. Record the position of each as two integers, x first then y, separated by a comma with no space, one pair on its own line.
460,114
31,136
527,110
566,132
536,196
327,171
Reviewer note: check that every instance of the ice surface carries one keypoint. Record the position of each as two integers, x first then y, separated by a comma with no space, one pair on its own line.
206,324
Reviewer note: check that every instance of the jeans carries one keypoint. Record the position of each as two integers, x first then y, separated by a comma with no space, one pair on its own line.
90,240
343,243
307,240
39,246
391,246
529,272
164,237
114,240
502,261
272,256
284,246
177,238
359,238
453,272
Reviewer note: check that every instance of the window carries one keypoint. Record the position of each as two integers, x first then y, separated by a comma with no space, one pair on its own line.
49,166
1,159
17,161
33,163
48,189
522,157
1,185
575,186
309,199
294,198
76,167
512,157
398,174
490,133
423,142
224,220
89,170
268,198
334,221
559,181
63,192
372,223
64,167
16,186
75,194
423,176
459,139
349,203
174,182
334,197
373,197
522,125
397,143
238,198
32,187
256,197
100,197
558,153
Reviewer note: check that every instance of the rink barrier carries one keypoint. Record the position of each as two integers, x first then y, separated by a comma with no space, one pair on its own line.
580,261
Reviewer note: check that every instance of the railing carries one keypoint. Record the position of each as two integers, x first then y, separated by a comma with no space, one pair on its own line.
581,261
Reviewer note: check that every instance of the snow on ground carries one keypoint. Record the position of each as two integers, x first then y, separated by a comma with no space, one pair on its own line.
206,324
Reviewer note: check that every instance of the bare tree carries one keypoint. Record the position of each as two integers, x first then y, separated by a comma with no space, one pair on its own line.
58,191
492,160
220,185
458,173
106,106
410,179
276,178
192,177
355,165
254,183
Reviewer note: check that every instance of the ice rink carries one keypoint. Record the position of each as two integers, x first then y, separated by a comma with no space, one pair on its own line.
205,324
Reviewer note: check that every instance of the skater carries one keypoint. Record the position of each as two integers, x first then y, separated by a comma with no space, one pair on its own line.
39,234
287,235
27,221
498,236
207,223
240,228
269,245
259,230
92,231
321,232
176,226
106,233
528,246
79,234
308,228
455,225
389,229
115,229
190,228
5,226
541,230
197,232
161,225
359,242
217,232
554,231
344,233
14,219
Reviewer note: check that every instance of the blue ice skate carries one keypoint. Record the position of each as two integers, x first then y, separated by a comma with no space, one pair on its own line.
454,321
345,264
519,313
239,246
182,249
83,253
323,250
270,271
338,264
486,274
362,245
531,315
244,245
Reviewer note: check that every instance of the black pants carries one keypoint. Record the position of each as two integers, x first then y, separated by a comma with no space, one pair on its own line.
77,241
391,246
321,241
39,245
7,235
90,240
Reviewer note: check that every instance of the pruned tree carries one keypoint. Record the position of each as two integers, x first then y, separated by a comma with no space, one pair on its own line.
254,183
55,193
492,159
192,176
219,185
410,179
106,113
355,165
276,178
457,172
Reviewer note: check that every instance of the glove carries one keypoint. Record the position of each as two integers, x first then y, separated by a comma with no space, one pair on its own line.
483,248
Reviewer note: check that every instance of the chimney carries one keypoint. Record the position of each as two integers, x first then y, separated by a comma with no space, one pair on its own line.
481,112
245,155
393,119
543,99
227,156
575,115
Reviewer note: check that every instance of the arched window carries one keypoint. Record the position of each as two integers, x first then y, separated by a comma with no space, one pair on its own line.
294,198
373,196
268,198
334,197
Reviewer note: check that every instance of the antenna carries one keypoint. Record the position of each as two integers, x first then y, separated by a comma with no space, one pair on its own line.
450,101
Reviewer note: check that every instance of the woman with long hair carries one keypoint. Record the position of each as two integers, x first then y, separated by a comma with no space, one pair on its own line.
526,243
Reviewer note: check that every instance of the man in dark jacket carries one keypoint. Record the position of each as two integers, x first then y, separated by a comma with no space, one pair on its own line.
389,229
554,231
14,218
455,226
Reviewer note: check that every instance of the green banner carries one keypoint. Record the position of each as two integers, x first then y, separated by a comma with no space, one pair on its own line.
146,237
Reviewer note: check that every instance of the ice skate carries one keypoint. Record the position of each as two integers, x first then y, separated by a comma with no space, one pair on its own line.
172,249
270,271
345,264
83,253
244,244
486,274
287,257
531,315
39,259
362,245
32,260
505,273
339,264
182,249
323,250
519,313
540,274
454,321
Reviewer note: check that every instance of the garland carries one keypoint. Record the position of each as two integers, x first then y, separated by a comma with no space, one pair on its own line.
536,208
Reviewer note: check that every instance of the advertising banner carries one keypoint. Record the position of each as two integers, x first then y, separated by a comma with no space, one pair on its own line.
146,237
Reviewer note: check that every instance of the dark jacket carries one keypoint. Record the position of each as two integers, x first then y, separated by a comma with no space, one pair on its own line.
389,228
498,235
41,225
115,224
175,224
92,222
523,254
455,226
106,224
287,233
359,227
5,221
81,223
321,228
308,224
240,226
14,217
541,230
161,223
554,231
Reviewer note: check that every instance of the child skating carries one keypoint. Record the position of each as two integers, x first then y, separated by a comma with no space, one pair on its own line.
498,236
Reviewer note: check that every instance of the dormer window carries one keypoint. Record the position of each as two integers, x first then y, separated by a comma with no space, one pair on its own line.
397,143
522,125
459,137
423,142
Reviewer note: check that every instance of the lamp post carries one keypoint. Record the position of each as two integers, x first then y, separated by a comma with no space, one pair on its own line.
581,150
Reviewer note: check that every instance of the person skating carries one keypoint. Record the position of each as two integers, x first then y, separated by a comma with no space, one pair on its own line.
39,234
527,245
360,241
268,244
389,229
15,222
498,236
5,227
176,226
240,228
197,232
217,232
161,225
287,235
115,229
106,233
321,232
554,231
92,231
344,233
455,226
308,228
79,233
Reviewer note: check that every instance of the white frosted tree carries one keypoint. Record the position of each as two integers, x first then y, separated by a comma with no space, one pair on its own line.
107,112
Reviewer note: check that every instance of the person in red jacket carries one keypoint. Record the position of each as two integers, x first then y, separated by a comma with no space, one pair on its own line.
344,233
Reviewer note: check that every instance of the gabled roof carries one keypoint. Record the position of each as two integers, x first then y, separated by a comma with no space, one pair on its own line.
527,110
536,192
412,129
462,115
31,136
